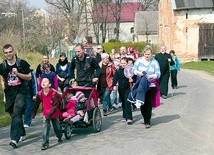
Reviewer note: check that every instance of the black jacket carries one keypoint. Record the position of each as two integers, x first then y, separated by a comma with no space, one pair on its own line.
86,69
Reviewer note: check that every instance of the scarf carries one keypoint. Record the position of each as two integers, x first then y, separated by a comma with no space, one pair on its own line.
63,63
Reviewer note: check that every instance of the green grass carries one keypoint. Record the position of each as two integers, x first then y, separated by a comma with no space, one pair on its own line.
207,66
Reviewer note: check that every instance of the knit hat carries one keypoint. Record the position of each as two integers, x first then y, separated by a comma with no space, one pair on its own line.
79,95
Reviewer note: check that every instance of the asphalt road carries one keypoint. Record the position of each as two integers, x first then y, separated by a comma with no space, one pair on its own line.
183,124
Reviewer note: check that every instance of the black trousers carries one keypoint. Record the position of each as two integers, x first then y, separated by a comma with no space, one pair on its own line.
174,82
163,82
126,105
146,109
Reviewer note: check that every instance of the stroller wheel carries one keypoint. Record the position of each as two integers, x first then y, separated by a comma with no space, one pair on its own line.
97,119
68,131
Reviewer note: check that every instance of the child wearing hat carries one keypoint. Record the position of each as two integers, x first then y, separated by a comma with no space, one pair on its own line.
80,107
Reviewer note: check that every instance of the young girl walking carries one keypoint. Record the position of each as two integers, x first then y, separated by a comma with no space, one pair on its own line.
123,89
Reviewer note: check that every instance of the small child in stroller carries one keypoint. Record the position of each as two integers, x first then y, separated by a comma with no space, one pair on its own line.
70,106
80,107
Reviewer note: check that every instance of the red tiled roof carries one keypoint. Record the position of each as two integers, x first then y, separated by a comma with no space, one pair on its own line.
108,11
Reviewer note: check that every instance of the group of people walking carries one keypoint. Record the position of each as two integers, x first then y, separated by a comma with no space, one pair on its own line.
106,71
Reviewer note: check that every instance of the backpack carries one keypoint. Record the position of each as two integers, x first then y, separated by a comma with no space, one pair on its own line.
32,84
18,60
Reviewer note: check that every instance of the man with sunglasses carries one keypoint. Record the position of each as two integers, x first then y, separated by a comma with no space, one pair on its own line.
14,85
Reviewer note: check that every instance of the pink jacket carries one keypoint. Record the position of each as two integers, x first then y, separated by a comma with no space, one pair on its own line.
49,106
70,106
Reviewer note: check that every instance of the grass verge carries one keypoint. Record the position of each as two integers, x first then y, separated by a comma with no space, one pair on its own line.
207,66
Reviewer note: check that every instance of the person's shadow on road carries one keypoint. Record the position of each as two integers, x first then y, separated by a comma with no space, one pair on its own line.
164,119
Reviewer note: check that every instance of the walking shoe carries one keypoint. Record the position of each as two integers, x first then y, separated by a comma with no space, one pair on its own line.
129,122
26,126
22,138
44,147
163,96
105,113
60,140
111,109
119,105
147,126
115,106
14,144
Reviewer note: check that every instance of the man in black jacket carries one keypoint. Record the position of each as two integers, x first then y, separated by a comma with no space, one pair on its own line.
86,66
165,60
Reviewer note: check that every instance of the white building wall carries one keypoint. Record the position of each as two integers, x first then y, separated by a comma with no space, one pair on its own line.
125,32
187,31
179,29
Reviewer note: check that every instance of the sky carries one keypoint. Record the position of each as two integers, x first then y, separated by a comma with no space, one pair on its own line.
37,3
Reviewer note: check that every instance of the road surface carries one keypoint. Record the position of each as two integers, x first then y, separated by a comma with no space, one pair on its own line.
183,124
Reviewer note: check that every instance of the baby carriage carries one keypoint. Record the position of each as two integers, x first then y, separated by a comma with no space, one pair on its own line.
93,112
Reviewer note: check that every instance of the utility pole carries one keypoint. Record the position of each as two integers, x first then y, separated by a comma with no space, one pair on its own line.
86,19
23,29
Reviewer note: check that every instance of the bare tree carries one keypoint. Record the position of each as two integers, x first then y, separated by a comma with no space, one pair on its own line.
72,10
116,13
100,18
153,4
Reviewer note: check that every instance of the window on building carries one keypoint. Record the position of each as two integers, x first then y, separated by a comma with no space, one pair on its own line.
132,30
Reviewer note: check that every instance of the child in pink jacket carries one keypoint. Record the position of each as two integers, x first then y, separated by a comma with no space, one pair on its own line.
70,106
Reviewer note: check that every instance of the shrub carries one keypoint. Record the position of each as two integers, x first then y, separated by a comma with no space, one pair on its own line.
139,46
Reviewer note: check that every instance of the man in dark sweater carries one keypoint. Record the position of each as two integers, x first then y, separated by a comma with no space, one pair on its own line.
86,66
165,60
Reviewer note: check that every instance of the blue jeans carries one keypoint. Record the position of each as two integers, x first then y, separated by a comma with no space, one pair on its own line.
28,110
106,100
16,129
46,130
115,97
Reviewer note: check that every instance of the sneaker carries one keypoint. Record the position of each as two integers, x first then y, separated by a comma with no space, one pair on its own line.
129,122
163,96
147,126
115,106
111,109
60,140
26,126
119,104
22,138
105,113
44,147
14,144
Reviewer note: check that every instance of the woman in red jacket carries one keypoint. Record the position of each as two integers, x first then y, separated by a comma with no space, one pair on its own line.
105,82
